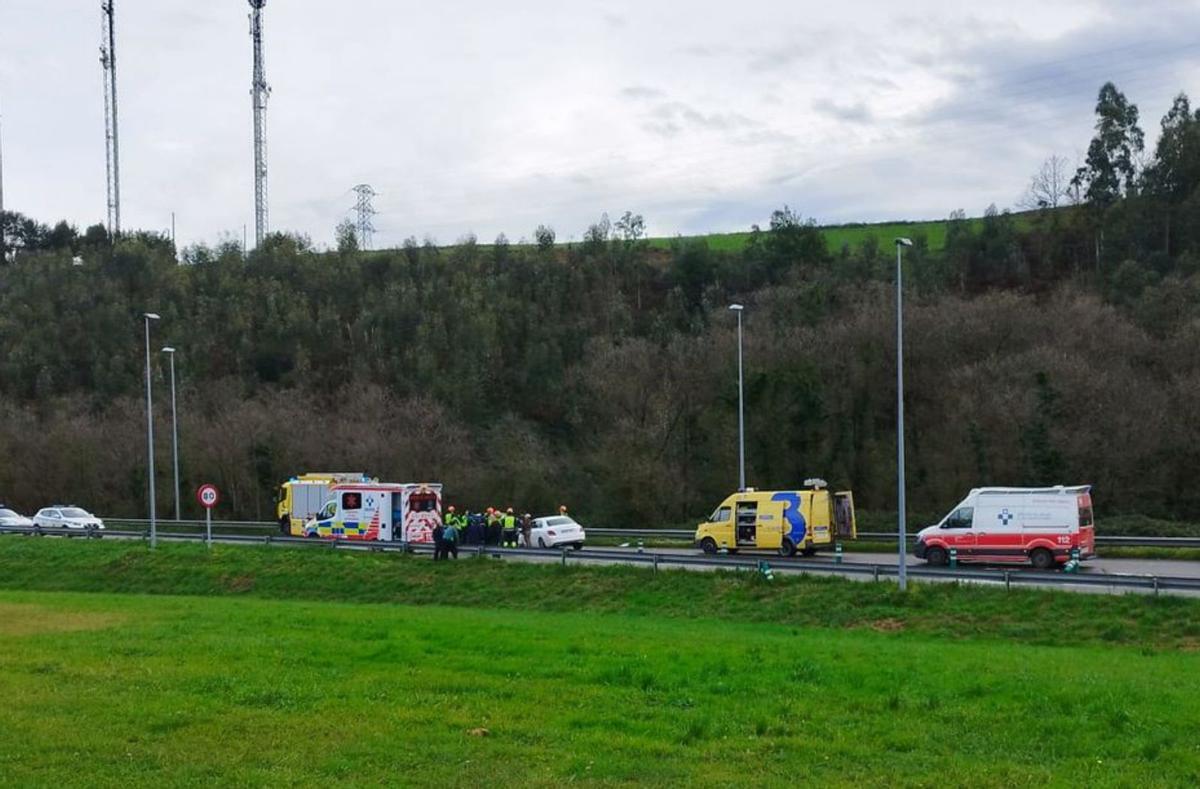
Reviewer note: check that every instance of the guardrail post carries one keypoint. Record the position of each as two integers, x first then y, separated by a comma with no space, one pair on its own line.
1008,580
641,546
564,557
656,562
953,558
1156,586
837,553
876,573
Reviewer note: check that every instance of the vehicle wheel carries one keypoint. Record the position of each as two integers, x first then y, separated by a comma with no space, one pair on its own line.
1042,559
936,557
285,526
708,545
541,543
577,546
787,548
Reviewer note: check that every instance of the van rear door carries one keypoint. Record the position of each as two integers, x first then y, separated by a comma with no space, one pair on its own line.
843,516
1087,527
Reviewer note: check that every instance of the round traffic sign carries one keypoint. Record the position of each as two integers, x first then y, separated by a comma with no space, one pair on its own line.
208,496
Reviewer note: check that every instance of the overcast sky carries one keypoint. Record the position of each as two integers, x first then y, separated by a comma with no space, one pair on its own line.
474,116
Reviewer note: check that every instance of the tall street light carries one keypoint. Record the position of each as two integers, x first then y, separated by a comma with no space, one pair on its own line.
739,309
902,574
150,316
174,428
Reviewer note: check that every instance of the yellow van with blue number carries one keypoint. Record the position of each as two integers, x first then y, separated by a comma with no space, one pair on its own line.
785,521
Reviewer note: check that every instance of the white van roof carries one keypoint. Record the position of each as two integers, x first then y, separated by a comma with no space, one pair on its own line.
1072,490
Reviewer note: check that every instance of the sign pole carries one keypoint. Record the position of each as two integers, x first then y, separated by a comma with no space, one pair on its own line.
208,496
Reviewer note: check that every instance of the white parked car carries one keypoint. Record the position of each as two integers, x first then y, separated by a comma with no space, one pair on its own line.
556,530
60,517
13,519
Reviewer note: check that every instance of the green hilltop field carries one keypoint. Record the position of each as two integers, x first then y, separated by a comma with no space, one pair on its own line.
838,236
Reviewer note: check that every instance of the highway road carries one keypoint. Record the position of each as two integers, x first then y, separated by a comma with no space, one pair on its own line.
1092,566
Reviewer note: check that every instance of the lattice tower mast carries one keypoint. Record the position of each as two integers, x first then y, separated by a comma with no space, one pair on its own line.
112,147
365,210
260,91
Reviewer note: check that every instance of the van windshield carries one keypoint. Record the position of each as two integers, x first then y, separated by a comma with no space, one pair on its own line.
720,515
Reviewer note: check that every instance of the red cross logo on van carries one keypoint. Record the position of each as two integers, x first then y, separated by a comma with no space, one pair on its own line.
1005,516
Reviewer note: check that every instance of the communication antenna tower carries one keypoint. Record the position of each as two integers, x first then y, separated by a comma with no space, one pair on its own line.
3,251
112,148
260,91
365,210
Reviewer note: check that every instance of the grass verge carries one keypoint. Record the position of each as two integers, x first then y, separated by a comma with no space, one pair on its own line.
314,667
1027,616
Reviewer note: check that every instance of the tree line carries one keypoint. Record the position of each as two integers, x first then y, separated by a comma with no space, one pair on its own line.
1057,345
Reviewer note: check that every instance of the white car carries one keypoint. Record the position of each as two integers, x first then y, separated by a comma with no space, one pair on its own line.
13,519
60,517
555,531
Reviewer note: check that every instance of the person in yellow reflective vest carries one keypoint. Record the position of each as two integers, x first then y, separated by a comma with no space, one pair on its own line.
510,529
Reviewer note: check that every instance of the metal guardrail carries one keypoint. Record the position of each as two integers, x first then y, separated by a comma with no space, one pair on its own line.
164,523
677,534
877,572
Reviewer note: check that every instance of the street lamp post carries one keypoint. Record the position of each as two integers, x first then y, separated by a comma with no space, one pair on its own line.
174,429
739,309
150,316
902,573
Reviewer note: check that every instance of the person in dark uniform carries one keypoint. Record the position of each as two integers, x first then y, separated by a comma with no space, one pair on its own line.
450,540
438,546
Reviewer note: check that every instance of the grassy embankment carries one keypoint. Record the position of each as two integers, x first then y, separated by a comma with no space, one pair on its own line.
836,236
284,668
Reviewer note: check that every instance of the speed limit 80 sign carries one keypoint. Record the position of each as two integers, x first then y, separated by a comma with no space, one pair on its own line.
208,496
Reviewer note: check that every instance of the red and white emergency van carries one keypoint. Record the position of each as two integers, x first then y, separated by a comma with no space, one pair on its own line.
398,512
1041,526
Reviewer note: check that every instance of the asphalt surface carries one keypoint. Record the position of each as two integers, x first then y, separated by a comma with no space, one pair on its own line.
1097,566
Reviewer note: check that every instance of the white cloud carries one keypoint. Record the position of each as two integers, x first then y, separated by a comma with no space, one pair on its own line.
468,116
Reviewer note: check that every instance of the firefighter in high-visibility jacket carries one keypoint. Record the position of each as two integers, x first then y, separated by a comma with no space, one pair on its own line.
510,529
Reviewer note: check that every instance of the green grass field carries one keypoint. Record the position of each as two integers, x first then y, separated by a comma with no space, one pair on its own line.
836,236
850,235
311,667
